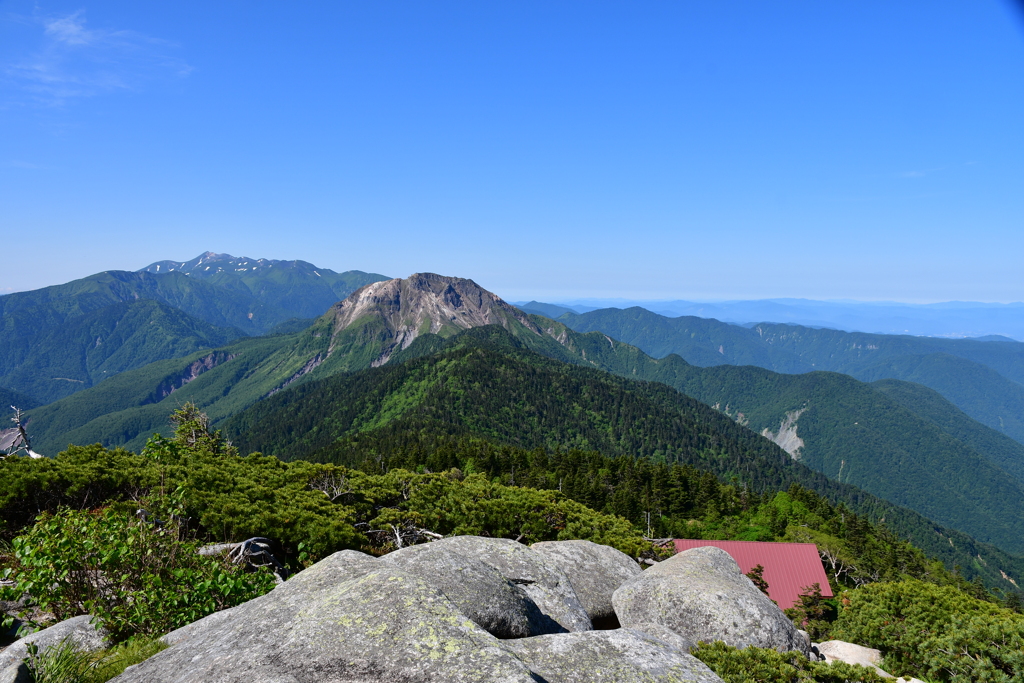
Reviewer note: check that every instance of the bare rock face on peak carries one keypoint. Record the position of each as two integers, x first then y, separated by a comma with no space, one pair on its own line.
400,310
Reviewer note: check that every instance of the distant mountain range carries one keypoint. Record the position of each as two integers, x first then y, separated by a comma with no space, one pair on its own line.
940,463
985,379
62,339
108,358
275,291
955,319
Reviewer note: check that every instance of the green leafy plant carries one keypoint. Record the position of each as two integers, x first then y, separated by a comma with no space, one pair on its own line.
138,577
65,662
113,661
813,612
60,663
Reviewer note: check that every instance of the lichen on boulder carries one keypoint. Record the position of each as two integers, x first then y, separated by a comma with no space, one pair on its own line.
702,595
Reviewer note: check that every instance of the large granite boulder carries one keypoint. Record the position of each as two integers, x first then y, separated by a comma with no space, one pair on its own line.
665,634
618,656
375,622
702,595
15,673
86,635
547,585
595,572
331,571
494,603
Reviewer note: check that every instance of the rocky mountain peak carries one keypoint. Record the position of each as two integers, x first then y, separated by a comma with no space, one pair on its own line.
424,303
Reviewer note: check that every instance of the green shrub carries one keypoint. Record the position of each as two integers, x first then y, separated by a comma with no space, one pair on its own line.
60,663
759,665
66,663
814,613
475,506
112,662
937,632
138,578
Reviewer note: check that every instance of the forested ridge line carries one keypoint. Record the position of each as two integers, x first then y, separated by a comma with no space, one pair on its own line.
485,391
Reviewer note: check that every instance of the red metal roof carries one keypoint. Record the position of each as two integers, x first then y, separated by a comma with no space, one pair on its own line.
789,568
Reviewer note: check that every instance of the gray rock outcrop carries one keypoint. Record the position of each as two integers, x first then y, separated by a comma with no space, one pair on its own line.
839,650
618,656
666,635
15,673
543,582
355,618
595,572
377,622
702,595
494,603
86,636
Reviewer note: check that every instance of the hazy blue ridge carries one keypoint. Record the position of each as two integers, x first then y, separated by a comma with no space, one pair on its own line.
546,310
952,319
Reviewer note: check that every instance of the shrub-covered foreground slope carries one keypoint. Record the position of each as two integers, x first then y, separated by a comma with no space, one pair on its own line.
486,387
88,498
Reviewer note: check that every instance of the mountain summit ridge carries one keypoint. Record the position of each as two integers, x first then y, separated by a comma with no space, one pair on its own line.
210,263
420,304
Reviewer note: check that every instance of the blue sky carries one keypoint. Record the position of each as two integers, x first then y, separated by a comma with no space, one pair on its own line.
550,150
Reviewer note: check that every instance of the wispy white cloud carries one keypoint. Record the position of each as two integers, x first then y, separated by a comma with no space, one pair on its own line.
70,29
65,59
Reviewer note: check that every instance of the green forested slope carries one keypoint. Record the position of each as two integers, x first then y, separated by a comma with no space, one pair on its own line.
849,430
860,436
126,409
984,379
998,448
59,340
488,388
981,392
26,313
61,359
9,397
